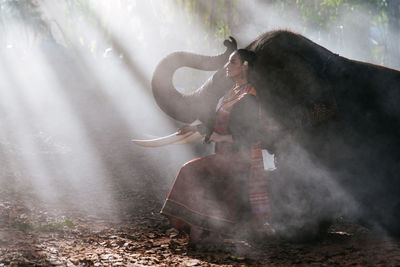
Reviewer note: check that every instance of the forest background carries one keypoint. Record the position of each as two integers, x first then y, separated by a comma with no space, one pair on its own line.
75,81
375,23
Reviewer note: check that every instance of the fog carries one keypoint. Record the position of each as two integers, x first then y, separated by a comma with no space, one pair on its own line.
75,89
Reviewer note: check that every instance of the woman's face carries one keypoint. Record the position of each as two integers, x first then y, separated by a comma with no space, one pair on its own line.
234,67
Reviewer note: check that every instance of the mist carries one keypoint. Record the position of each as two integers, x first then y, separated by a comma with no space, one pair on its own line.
75,89
71,106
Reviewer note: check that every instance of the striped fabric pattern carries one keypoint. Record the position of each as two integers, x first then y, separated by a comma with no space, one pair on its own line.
258,195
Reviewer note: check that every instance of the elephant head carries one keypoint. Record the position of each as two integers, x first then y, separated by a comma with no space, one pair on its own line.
198,105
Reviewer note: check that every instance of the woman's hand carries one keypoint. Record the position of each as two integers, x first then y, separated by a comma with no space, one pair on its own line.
186,129
220,138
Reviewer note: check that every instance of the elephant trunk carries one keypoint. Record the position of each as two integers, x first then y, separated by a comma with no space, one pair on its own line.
184,107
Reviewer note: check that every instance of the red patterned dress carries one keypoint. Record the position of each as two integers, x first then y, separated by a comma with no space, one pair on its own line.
224,191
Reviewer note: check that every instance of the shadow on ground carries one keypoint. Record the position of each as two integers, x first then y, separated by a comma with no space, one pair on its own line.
38,234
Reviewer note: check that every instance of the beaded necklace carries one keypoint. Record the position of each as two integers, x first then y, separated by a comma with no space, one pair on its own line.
236,91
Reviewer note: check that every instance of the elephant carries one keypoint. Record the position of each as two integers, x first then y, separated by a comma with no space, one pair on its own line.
333,124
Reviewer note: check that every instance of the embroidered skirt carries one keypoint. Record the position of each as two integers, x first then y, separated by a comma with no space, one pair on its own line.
211,193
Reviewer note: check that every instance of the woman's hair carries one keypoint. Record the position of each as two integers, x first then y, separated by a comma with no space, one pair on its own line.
247,55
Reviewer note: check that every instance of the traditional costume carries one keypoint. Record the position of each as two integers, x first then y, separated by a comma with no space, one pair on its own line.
224,191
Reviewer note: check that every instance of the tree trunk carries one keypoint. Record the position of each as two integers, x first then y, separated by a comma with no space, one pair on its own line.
393,48
212,16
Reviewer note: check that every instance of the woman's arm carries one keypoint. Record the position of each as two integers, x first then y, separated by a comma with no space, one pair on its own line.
243,123
186,129
203,128
220,138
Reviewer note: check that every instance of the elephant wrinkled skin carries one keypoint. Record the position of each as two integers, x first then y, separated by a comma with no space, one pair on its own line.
333,124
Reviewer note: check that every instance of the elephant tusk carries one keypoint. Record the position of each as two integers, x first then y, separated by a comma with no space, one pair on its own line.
191,138
169,140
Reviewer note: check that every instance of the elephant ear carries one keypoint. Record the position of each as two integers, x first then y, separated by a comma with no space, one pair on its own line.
289,88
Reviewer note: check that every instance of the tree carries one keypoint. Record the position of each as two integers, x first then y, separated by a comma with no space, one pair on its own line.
393,14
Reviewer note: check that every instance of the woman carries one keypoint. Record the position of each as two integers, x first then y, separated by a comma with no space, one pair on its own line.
224,193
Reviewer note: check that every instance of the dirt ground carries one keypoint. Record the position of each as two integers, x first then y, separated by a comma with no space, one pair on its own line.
40,235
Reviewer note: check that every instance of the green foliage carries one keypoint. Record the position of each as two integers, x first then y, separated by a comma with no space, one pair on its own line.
217,19
323,14
336,17
56,226
24,226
